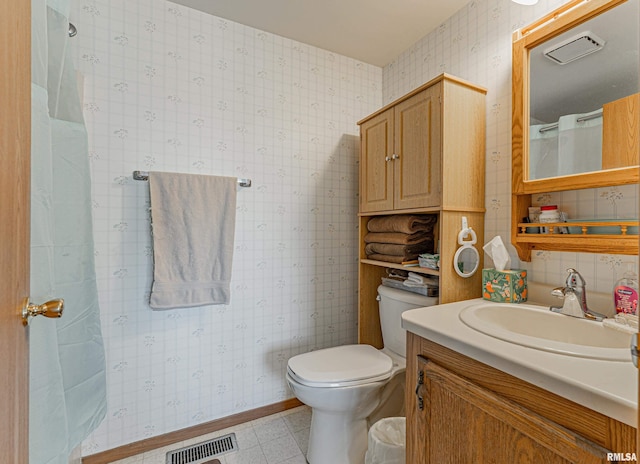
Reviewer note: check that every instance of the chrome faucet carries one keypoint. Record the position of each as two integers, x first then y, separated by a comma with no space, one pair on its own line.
574,296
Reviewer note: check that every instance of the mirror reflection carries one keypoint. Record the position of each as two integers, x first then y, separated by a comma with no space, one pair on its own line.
575,77
466,261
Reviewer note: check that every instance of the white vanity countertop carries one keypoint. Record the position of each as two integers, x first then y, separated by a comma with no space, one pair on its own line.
608,387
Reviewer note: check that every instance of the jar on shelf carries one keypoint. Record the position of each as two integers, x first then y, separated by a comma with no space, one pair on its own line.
549,213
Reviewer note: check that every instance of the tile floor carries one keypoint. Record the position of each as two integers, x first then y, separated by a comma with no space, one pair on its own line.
281,438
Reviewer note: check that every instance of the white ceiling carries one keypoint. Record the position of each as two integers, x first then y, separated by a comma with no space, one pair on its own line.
372,31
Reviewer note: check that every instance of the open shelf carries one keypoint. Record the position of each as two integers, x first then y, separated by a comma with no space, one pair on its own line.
418,269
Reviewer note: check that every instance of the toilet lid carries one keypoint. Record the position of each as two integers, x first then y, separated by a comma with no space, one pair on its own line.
340,366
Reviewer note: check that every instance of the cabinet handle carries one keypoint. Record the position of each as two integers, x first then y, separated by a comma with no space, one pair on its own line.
386,158
420,382
395,157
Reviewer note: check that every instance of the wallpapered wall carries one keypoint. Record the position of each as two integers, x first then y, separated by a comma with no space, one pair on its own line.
475,44
172,89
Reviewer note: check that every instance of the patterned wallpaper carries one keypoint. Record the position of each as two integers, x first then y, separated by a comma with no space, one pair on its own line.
475,44
172,89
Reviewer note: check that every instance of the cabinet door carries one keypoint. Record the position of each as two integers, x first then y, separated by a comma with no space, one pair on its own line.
621,132
376,167
461,422
416,163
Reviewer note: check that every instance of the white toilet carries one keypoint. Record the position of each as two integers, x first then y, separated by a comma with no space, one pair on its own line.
344,385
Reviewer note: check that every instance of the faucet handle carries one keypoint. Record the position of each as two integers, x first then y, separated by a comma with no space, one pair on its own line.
574,279
558,292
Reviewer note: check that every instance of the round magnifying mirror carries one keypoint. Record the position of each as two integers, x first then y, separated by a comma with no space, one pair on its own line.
466,261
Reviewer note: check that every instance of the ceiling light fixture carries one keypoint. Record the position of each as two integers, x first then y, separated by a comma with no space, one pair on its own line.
525,2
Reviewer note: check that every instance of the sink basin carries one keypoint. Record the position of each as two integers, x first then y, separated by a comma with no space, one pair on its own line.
537,327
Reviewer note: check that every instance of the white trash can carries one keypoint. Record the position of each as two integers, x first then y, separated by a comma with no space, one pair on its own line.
387,441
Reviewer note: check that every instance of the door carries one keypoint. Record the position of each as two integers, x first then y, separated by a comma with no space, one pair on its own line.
15,133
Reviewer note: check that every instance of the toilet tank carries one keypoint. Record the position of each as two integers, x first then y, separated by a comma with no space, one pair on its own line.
391,304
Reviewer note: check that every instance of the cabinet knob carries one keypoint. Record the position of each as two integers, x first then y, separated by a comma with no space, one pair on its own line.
386,158
395,157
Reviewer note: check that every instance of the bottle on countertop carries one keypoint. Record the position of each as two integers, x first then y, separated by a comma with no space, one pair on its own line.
625,291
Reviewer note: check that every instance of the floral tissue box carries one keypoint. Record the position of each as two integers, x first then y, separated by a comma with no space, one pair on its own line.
509,286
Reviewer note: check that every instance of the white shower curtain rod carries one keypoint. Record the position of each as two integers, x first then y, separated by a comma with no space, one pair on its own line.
581,119
143,175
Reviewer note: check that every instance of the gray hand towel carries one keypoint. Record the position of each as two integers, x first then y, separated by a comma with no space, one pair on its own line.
193,224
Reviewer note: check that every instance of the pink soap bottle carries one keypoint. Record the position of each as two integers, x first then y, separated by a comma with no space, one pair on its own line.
625,292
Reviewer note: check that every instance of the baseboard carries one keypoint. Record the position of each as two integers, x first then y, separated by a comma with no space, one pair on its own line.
149,444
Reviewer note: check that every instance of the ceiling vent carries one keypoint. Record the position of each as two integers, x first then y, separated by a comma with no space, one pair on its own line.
575,47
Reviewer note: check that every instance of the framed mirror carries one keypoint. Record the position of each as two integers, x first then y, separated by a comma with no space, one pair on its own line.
576,97
576,71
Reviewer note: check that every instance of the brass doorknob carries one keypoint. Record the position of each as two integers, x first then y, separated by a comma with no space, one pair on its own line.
52,308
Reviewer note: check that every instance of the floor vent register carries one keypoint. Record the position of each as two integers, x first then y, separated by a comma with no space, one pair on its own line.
203,452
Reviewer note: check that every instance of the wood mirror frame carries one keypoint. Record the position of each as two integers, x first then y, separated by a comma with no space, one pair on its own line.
558,21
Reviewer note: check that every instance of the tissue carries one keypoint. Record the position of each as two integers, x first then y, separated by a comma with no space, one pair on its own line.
498,253
502,285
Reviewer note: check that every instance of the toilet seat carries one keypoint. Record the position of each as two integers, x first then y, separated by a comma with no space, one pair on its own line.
340,366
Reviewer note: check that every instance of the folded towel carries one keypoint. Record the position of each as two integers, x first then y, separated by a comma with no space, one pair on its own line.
416,278
405,223
420,280
193,222
400,250
397,237
387,258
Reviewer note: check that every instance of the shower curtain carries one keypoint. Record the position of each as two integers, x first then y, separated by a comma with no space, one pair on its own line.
574,145
543,151
580,143
67,363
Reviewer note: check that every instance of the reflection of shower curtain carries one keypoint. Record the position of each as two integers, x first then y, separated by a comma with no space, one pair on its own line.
543,151
580,143
67,364
571,146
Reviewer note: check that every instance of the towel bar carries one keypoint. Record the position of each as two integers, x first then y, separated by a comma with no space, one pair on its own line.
143,175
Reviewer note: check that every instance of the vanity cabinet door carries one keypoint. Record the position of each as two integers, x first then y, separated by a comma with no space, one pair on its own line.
457,421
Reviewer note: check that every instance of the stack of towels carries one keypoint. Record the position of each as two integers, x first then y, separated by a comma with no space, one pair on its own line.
399,238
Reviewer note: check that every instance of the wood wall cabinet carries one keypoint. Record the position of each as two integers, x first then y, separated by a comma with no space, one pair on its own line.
460,410
620,141
400,155
437,133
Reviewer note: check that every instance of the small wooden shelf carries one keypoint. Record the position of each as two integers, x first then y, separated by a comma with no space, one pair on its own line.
584,226
418,269
622,243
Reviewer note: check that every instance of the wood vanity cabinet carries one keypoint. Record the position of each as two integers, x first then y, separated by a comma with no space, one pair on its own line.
462,411
423,154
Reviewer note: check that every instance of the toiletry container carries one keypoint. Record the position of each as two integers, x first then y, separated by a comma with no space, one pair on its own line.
625,291
549,213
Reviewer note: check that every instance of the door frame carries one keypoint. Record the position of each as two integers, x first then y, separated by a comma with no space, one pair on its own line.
15,184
